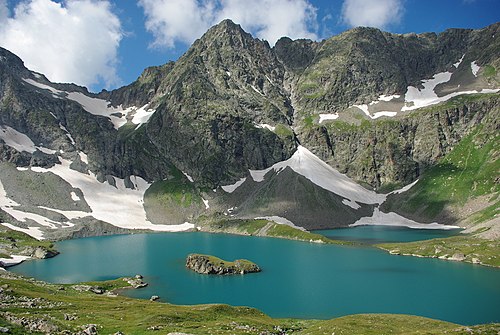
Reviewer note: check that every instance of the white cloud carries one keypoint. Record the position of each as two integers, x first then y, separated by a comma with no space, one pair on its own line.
4,10
73,41
173,21
372,13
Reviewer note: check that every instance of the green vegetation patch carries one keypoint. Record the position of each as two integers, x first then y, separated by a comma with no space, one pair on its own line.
284,231
466,248
15,240
469,170
177,189
489,71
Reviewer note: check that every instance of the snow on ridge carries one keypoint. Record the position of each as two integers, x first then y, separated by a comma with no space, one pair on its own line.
392,219
280,220
327,117
42,86
231,188
318,172
474,68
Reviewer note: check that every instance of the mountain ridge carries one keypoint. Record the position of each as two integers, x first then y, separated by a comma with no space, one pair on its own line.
380,108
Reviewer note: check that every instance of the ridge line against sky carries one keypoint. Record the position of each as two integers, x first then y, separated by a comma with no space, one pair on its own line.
108,43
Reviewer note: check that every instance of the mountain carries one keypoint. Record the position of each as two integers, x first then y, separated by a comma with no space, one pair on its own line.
314,133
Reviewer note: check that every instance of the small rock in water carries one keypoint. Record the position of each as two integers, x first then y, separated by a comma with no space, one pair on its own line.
138,276
154,298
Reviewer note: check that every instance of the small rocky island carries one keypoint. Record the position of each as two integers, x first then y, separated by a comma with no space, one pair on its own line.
206,264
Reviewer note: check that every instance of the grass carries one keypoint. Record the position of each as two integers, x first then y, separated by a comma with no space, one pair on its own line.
468,171
263,228
489,71
283,231
485,251
176,189
17,240
133,316
239,264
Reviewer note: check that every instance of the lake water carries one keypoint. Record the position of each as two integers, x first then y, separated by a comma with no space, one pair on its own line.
299,279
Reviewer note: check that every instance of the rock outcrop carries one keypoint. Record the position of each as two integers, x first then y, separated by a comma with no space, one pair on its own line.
211,265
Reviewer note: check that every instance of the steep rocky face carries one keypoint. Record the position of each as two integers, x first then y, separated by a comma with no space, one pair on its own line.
397,150
211,265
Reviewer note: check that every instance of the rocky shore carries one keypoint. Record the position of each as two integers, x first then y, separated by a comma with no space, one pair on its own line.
206,264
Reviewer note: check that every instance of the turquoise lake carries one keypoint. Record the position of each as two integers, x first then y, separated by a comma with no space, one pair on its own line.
301,280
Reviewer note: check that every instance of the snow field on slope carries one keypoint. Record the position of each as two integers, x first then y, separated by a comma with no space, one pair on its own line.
120,206
311,167
101,107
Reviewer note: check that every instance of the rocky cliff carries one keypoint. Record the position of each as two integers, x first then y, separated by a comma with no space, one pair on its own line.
205,264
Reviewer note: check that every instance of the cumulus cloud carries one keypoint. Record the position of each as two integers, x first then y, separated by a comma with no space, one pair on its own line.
173,21
372,13
73,41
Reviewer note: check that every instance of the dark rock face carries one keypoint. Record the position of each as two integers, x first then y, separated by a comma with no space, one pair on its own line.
205,264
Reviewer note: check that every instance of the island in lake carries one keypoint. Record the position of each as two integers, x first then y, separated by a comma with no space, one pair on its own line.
206,264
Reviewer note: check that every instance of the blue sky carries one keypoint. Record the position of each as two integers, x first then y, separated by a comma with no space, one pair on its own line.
108,43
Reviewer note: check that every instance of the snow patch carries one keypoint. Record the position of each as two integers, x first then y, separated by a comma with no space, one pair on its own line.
384,113
15,259
310,166
350,203
233,187
188,177
16,140
43,86
326,117
404,189
100,107
280,220
207,206
265,126
119,206
31,231
457,64
142,115
474,68
388,97
256,90
392,219
83,157
67,133
416,98
75,197
228,73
